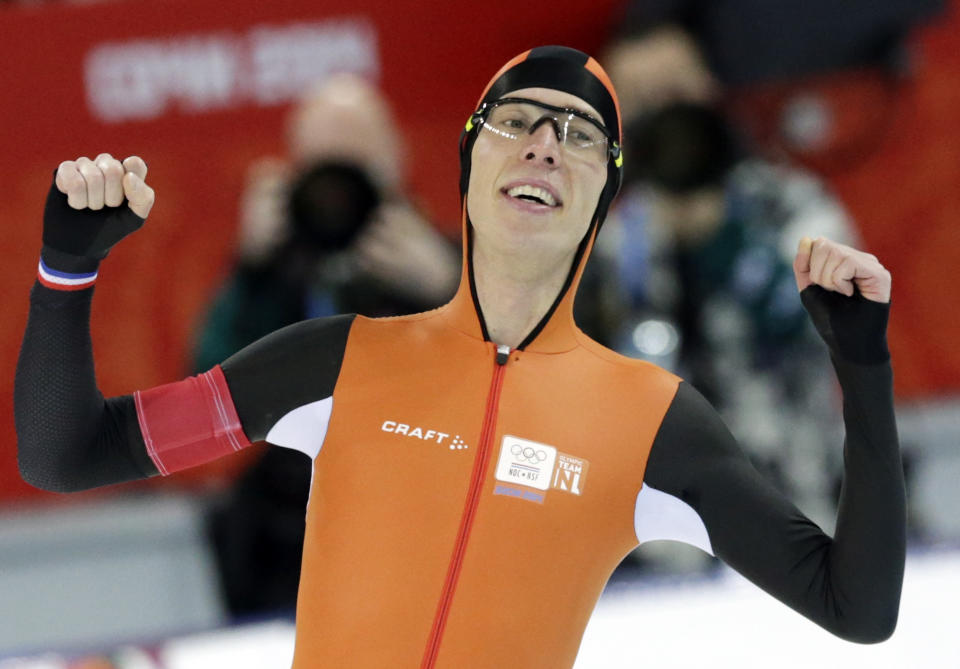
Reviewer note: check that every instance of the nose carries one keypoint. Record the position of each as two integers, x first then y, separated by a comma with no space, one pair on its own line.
542,145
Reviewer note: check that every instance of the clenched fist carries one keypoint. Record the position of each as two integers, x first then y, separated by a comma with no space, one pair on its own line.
85,213
840,268
847,294
105,181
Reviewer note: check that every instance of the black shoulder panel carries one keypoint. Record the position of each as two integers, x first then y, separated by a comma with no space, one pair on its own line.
691,438
293,366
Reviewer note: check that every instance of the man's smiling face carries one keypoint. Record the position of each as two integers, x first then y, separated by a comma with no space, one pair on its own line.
532,192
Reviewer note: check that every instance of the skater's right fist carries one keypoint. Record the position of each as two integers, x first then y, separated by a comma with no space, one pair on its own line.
105,181
93,204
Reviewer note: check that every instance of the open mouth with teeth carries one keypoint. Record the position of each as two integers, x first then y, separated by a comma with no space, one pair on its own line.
533,194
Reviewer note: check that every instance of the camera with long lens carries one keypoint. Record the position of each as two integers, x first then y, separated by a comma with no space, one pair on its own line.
330,204
680,148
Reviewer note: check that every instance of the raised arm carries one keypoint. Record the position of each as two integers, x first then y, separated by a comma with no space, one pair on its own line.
849,584
68,436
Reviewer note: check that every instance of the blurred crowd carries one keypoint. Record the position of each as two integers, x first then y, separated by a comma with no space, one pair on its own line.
694,268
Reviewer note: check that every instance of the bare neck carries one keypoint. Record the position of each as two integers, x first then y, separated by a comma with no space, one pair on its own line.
515,292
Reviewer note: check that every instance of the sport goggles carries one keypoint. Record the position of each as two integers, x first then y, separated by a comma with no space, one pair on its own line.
578,133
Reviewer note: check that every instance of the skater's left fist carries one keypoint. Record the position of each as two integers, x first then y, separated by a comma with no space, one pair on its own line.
839,268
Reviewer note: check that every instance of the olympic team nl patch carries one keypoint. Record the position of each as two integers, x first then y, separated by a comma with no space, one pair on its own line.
530,464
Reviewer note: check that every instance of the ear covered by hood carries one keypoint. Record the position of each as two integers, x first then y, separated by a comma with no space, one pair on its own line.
564,69
571,71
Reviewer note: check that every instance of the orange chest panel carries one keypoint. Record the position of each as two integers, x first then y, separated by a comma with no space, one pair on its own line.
453,494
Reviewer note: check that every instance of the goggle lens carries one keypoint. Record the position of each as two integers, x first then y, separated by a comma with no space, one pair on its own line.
580,135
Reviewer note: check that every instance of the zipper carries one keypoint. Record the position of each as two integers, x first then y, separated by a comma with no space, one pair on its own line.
469,511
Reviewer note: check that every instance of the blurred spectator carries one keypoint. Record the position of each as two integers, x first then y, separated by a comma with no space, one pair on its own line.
755,41
329,232
697,253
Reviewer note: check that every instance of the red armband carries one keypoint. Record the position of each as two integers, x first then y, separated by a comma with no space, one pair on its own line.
189,422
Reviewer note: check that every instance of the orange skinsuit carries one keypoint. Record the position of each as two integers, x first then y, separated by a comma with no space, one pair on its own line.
419,541
469,503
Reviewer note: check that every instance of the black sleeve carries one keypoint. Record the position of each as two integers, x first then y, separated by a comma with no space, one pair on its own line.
849,584
69,437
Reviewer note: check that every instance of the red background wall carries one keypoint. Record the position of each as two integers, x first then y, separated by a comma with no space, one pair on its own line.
905,197
432,58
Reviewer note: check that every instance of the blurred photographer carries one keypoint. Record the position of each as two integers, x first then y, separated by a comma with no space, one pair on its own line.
697,259
329,232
